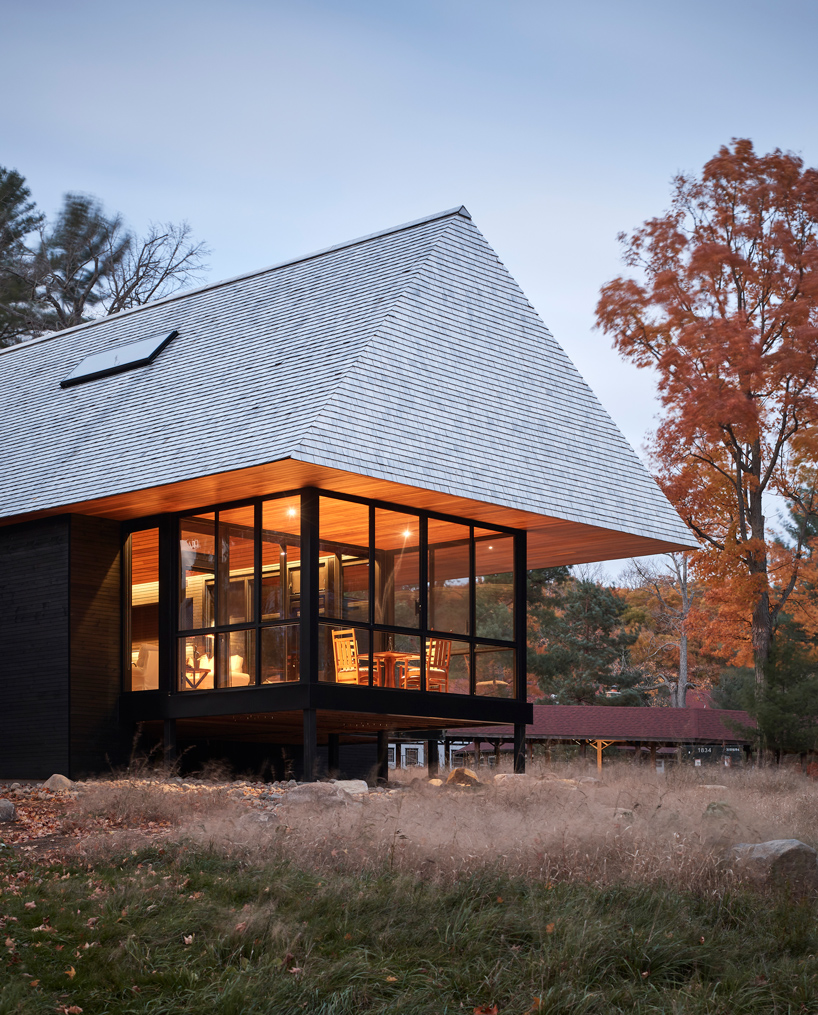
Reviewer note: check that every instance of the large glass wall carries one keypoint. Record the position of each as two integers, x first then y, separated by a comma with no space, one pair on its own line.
406,600
142,673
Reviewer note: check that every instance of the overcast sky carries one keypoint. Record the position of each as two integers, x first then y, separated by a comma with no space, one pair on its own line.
278,128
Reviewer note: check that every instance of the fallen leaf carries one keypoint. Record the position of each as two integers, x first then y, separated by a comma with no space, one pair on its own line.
499,898
485,1009
34,983
536,1006
241,927
92,922
70,972
391,979
288,961
645,974
347,937
295,969
701,940
549,928
31,905
9,942
188,938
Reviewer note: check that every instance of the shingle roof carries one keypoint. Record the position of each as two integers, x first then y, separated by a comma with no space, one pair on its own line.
410,356
612,722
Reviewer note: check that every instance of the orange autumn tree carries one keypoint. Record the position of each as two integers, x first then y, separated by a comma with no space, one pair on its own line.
723,305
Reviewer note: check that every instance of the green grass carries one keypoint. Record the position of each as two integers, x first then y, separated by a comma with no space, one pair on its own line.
386,942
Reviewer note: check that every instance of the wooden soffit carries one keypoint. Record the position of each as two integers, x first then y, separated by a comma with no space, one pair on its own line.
551,541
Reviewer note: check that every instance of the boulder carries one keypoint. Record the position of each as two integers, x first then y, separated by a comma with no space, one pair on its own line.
779,862
623,814
7,810
711,785
323,793
355,787
462,777
511,777
719,809
58,782
435,782
589,780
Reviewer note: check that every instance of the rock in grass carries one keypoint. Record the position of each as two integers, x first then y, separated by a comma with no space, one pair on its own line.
355,787
780,862
316,793
719,809
7,810
462,777
58,782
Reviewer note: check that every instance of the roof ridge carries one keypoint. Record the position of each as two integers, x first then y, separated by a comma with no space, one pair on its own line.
184,293
411,276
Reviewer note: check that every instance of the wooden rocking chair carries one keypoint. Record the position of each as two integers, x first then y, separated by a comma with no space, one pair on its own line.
350,668
438,657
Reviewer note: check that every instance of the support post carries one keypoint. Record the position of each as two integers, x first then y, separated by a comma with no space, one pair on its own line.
333,754
310,745
519,747
432,757
169,744
383,758
653,756
497,755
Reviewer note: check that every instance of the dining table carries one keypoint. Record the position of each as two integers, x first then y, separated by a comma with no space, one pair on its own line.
389,667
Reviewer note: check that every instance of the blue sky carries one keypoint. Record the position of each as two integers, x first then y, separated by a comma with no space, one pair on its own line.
278,128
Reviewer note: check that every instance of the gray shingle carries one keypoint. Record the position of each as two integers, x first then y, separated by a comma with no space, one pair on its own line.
410,356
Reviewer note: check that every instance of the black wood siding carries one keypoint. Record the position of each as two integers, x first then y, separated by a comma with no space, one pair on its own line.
34,640
97,743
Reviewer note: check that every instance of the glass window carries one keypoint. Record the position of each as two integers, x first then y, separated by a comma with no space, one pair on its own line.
280,660
494,585
234,601
197,545
344,560
397,568
144,609
449,603
235,659
343,655
494,671
197,663
396,661
456,679
280,558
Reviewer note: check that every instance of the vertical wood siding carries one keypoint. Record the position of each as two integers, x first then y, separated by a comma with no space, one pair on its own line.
34,635
96,740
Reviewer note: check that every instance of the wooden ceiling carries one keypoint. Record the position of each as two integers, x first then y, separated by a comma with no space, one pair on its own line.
551,541
287,727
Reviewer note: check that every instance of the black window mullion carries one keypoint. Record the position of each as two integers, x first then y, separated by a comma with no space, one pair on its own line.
309,597
520,613
423,540
371,593
257,588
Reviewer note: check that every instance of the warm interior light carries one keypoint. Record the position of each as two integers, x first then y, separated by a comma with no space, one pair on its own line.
291,512
407,534
491,547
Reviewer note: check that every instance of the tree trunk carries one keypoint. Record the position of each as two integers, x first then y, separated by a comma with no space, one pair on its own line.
682,685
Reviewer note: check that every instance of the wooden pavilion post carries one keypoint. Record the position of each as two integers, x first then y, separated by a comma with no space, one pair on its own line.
432,757
333,754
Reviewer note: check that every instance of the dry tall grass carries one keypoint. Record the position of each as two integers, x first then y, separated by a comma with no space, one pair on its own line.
553,824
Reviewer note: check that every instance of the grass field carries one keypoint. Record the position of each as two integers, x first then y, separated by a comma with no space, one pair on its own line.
546,896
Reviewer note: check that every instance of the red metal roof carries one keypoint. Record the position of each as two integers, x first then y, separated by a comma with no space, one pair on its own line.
613,722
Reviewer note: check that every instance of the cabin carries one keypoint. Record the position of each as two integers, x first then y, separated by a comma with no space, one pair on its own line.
276,519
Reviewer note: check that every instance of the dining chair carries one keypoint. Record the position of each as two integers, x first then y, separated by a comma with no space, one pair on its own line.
438,657
350,668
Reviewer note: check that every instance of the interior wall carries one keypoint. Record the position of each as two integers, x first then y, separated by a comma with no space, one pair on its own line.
34,635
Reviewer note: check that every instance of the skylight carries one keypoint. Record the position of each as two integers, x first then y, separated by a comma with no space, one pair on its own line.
123,357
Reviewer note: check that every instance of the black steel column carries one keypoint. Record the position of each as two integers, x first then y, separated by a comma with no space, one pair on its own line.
333,754
521,614
432,757
519,747
168,603
309,600
383,757
310,745
169,743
